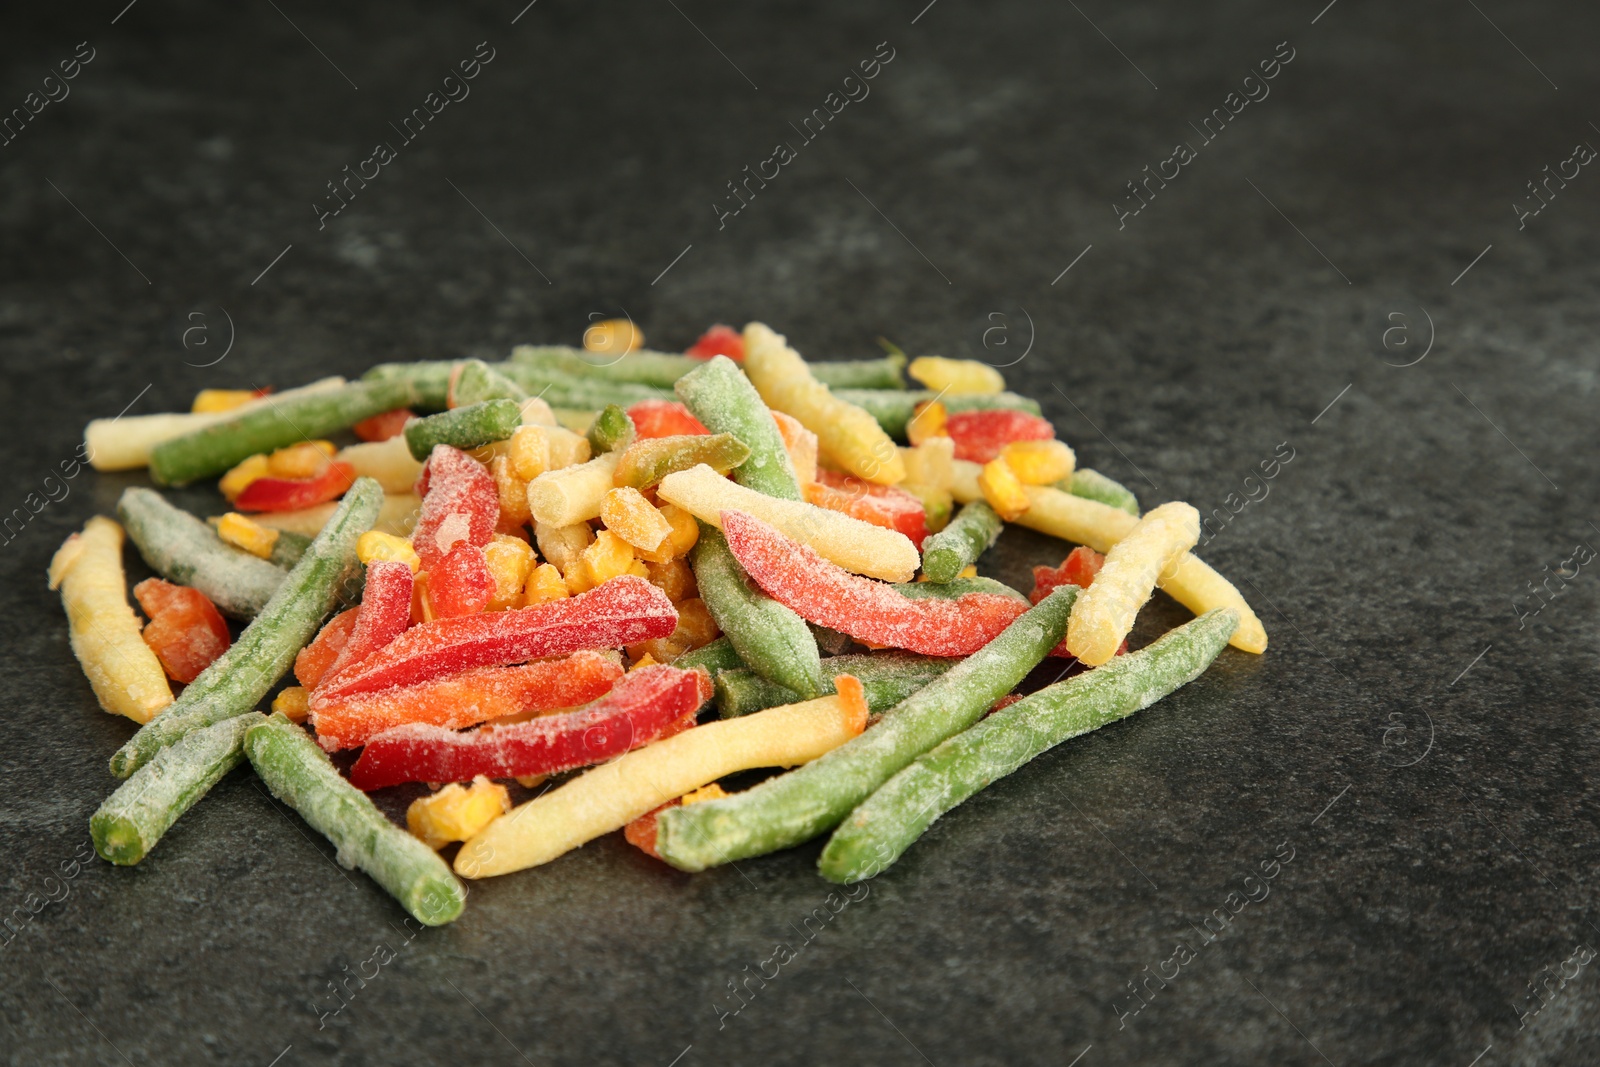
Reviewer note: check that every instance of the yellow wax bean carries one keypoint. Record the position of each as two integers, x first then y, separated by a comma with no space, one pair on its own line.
851,543
845,432
956,375
573,494
389,463
614,794
1105,611
104,632
1194,584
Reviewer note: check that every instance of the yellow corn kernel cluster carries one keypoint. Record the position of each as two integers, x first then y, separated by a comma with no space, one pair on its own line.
303,460
1003,490
695,628
928,422
613,336
674,578
374,545
510,559
241,532
630,516
608,557
212,401
294,702
544,584
457,812
1038,462
513,491
956,375
247,471
530,452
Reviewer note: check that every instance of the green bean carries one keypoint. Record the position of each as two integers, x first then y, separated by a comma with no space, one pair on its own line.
238,679
722,398
300,774
611,430
956,588
770,638
180,546
958,546
893,408
888,821
212,449
640,367
132,820
714,658
478,381
429,379
288,548
647,462
465,428
795,807
887,678
882,373
1092,485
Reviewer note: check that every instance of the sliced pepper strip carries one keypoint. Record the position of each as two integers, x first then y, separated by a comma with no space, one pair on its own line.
465,699
185,631
643,706
620,612
291,494
384,614
459,502
821,592
888,506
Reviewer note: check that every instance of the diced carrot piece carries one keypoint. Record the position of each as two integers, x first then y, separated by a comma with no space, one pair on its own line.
185,631
663,418
313,661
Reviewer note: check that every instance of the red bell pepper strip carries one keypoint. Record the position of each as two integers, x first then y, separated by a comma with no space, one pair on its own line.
185,631
384,614
663,418
646,704
794,574
292,494
720,340
980,435
1079,569
459,503
882,505
619,612
312,663
460,584
384,426
465,699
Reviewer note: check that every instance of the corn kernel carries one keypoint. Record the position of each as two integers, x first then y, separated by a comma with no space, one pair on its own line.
956,375
562,545
929,421
613,336
294,702
529,781
609,557
1003,490
213,401
704,793
248,470
544,584
509,561
1038,462
530,451
303,460
673,578
801,444
374,545
631,517
685,532
567,448
695,628
456,813
639,569
513,494
646,660
247,534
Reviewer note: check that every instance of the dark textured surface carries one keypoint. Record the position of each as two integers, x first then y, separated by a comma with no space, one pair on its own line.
1445,878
